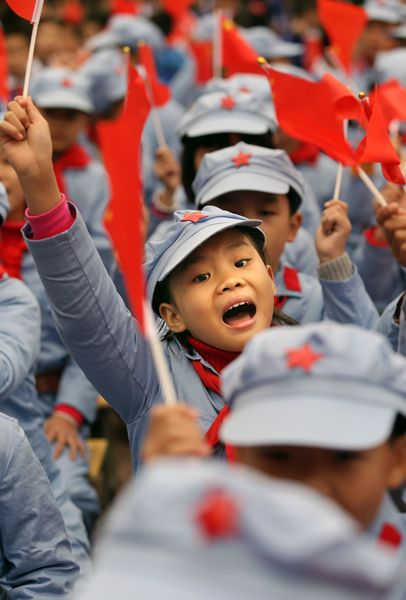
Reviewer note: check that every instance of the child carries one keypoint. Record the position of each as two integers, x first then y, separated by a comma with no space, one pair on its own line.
35,555
323,405
206,279
259,183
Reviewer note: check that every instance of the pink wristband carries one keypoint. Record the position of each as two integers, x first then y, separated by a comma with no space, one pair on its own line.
55,221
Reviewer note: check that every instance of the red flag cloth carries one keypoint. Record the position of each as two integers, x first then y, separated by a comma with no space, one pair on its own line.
160,92
120,144
73,12
237,54
343,23
4,87
203,53
346,104
377,146
392,100
27,9
305,110
176,8
123,7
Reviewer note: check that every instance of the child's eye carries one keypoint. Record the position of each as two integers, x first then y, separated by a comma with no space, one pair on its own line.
278,455
267,213
202,277
346,456
242,263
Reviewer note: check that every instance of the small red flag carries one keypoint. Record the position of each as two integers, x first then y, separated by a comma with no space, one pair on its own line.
377,146
392,100
160,92
123,7
203,53
345,103
343,23
237,54
4,87
176,8
120,143
27,9
305,110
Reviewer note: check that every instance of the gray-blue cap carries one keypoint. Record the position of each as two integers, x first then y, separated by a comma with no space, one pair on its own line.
127,30
323,385
245,167
268,44
107,73
189,230
62,88
219,112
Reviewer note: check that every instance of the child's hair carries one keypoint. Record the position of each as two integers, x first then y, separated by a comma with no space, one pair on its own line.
162,291
213,140
399,428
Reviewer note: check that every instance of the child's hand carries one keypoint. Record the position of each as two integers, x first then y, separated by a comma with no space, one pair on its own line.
24,137
332,234
167,168
26,143
173,431
392,192
59,430
392,220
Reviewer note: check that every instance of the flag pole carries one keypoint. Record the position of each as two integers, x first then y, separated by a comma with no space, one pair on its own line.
159,132
158,356
339,177
35,21
371,186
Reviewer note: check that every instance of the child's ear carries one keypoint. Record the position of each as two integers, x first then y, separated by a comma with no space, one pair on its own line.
397,471
270,273
295,222
172,318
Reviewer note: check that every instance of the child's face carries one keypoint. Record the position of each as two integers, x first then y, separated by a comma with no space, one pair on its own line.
278,224
17,54
356,480
225,271
65,126
15,194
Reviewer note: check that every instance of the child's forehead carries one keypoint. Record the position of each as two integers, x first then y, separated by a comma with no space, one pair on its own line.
225,241
250,197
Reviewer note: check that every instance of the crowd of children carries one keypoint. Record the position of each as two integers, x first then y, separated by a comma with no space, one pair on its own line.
281,307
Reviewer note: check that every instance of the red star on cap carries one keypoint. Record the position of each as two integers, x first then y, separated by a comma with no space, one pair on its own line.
228,102
303,358
217,515
66,82
194,217
244,88
241,159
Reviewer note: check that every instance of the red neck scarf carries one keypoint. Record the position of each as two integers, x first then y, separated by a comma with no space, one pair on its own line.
305,153
75,157
12,247
218,359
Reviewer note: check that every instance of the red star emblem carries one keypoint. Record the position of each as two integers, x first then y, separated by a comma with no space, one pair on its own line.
228,103
303,358
241,159
244,88
217,515
67,82
194,217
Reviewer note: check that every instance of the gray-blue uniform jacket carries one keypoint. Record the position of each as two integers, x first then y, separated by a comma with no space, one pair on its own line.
19,347
308,299
36,561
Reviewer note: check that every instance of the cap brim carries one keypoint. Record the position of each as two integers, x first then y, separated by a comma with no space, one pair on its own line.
244,180
286,50
224,123
104,39
63,99
200,236
331,422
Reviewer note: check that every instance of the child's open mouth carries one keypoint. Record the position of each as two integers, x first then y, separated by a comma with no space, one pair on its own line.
239,314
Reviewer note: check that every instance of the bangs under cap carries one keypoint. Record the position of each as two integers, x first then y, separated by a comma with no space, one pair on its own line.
62,88
189,230
245,167
219,112
322,385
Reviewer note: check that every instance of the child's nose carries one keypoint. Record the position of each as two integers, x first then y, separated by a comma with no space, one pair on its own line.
232,283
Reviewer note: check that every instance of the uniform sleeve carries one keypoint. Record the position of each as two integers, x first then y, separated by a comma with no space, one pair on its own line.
76,391
92,320
20,324
36,561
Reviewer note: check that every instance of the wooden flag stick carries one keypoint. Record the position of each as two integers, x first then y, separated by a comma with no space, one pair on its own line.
337,186
371,186
35,20
161,366
218,44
